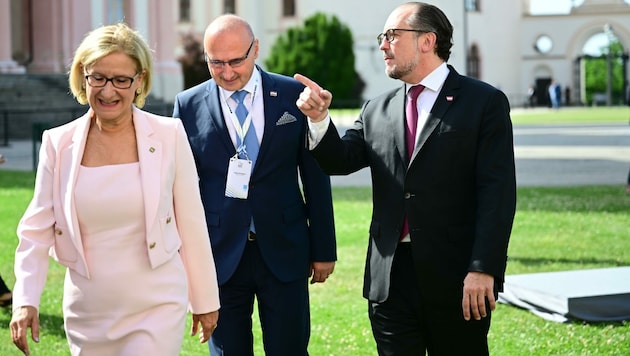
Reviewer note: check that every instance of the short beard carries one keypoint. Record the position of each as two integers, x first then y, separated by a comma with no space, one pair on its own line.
399,71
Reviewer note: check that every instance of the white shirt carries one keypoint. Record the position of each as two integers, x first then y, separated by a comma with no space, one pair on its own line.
432,85
256,108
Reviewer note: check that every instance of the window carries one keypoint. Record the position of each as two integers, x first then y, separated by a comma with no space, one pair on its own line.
473,5
115,11
229,7
288,8
473,62
184,10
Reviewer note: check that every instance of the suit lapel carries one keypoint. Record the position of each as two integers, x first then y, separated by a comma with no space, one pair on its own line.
150,158
396,109
445,99
76,149
271,105
215,115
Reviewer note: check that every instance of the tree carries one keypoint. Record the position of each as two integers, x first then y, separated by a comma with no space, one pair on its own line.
194,66
323,51
597,73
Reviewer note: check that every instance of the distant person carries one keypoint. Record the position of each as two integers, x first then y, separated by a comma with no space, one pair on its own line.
628,184
531,96
441,154
554,94
268,204
116,201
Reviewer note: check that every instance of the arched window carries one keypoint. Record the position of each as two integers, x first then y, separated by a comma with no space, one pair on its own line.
473,62
288,8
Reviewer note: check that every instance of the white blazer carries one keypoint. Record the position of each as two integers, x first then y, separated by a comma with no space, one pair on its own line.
175,218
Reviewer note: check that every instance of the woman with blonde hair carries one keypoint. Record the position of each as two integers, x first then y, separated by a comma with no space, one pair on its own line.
117,202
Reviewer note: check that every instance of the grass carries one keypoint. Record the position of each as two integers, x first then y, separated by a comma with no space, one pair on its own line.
545,116
555,229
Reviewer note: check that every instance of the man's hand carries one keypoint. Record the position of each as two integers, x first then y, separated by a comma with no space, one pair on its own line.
23,318
208,324
477,287
313,101
320,271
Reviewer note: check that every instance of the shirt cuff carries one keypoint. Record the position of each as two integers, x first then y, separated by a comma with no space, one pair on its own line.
316,131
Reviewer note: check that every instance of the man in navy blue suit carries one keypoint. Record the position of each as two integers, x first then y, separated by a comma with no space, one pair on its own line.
268,204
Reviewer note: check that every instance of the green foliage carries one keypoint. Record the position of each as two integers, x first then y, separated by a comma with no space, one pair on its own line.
322,51
596,69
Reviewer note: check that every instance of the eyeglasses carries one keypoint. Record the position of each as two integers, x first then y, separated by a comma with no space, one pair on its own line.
390,34
119,81
236,62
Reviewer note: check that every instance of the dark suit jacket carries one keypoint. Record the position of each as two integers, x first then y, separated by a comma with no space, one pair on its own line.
459,192
293,213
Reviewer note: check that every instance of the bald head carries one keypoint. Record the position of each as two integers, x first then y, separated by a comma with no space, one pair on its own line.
228,23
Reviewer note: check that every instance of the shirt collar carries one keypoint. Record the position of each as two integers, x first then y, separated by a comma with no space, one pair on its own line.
435,79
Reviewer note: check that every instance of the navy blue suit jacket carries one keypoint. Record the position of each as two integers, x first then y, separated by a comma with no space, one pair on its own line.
289,195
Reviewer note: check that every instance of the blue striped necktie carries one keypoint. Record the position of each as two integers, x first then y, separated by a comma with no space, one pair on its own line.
251,142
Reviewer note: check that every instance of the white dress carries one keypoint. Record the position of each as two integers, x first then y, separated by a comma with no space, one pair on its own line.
126,307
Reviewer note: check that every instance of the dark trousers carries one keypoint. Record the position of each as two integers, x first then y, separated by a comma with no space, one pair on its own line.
415,320
283,309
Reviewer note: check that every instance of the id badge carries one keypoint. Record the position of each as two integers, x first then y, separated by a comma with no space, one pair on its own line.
239,173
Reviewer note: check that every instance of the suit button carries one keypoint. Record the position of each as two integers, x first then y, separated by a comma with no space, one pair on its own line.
152,245
168,220
58,232
407,195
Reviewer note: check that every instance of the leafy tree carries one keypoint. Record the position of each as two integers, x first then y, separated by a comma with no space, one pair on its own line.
321,50
597,73
192,60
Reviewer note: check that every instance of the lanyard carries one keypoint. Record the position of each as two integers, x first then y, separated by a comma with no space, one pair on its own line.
241,131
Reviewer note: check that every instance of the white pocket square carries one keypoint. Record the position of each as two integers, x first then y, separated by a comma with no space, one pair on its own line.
286,118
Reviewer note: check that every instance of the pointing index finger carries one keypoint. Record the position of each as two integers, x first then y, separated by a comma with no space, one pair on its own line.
307,82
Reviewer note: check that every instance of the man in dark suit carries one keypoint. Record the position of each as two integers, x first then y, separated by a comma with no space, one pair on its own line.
270,227
443,206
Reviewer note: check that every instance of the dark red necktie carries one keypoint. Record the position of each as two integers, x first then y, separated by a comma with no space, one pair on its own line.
411,113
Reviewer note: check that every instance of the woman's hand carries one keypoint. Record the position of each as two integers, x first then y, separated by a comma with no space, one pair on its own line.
208,324
23,318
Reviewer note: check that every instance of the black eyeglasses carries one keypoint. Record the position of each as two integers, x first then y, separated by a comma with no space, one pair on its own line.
236,62
119,81
390,34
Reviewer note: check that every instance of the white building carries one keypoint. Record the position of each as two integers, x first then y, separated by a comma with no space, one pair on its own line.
498,41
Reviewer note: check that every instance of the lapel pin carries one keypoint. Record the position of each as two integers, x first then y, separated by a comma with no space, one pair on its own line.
151,149
449,98
273,93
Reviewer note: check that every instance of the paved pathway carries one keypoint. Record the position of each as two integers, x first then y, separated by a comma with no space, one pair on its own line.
545,155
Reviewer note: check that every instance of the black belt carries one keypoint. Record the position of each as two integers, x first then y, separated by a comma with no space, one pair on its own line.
251,236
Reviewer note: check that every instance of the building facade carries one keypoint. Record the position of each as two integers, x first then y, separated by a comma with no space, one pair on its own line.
500,42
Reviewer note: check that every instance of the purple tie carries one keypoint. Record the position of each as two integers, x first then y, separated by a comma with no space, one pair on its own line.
411,112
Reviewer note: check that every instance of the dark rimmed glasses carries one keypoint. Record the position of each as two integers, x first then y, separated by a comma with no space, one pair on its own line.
236,62
119,81
390,34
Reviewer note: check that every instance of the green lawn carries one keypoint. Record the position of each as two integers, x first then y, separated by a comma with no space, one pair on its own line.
555,229
545,116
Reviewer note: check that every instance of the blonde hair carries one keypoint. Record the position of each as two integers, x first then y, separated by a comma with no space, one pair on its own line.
106,40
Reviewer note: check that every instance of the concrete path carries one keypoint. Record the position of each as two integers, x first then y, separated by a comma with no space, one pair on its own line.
545,155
